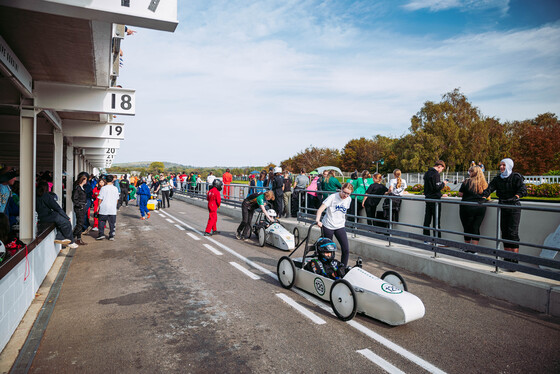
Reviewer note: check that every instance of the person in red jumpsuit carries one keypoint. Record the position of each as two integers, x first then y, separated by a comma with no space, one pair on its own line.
214,202
95,193
227,178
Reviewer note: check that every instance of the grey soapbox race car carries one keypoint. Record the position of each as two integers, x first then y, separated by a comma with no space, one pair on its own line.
273,233
385,299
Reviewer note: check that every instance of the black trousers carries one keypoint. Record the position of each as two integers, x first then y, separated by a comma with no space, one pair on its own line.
278,203
80,219
509,224
244,228
430,218
371,210
164,196
112,219
296,200
342,238
63,226
471,218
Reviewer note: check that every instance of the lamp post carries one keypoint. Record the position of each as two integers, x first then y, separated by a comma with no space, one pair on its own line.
381,161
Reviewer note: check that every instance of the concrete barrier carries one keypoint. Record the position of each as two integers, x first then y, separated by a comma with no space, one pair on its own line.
542,295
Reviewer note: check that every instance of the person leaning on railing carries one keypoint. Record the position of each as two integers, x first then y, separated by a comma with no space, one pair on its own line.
509,187
472,215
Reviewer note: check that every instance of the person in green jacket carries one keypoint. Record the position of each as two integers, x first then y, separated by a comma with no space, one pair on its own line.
360,187
132,193
330,184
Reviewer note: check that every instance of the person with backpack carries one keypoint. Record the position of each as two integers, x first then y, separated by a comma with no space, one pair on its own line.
214,202
369,202
510,188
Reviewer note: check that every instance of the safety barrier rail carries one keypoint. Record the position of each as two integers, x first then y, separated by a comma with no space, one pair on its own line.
407,232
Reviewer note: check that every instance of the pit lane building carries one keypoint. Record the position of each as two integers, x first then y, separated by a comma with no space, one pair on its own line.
61,109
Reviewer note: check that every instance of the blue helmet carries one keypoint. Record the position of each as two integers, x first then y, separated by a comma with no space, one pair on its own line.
325,249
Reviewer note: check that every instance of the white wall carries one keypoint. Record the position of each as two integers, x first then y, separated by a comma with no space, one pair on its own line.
17,293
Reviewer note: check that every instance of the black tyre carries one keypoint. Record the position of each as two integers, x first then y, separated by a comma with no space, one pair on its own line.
262,237
395,279
286,271
296,236
343,300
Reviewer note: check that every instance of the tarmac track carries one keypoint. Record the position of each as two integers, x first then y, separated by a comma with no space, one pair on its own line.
159,300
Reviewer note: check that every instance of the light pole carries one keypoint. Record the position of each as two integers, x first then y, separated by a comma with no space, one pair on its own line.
381,161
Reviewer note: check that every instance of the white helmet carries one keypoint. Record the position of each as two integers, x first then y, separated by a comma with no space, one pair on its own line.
277,169
271,213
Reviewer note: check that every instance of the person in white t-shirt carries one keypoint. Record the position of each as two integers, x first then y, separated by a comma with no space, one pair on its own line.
108,200
334,221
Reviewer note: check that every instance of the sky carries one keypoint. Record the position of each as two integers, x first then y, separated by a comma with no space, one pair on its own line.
243,83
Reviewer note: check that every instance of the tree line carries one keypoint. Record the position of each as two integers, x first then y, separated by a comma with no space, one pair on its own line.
452,130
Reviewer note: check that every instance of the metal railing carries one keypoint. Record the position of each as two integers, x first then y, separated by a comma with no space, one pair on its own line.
384,229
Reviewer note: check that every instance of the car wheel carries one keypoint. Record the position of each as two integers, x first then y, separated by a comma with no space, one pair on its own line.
296,236
286,271
262,237
395,279
343,300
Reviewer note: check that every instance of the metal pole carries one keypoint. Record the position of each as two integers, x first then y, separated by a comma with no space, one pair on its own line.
498,236
390,220
436,224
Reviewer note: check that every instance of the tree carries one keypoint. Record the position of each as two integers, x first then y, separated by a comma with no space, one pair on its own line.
312,158
156,167
536,144
361,153
452,130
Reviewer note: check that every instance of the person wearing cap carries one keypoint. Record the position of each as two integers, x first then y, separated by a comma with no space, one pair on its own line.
7,178
509,187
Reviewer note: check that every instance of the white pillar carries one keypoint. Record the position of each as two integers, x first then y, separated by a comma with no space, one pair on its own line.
27,168
69,180
57,164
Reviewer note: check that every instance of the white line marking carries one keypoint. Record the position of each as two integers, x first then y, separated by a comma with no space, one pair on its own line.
244,271
213,250
385,365
396,348
179,227
380,339
291,302
193,236
169,220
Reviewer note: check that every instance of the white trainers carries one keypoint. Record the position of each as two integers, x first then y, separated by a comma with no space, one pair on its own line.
73,245
95,229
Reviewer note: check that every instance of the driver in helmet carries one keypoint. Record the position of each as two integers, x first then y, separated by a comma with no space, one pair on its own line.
214,202
325,263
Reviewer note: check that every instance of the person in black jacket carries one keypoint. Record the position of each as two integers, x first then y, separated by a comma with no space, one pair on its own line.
48,210
509,187
79,200
473,215
277,187
432,190
125,190
370,203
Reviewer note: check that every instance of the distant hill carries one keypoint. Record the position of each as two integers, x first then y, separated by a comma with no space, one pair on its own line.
144,164
167,165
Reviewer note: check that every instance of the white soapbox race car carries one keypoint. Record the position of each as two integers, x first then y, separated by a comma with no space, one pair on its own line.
273,233
385,299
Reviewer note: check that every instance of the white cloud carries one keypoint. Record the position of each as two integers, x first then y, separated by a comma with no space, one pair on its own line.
463,5
245,86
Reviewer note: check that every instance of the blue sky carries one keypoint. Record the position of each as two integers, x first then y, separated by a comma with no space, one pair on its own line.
251,82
